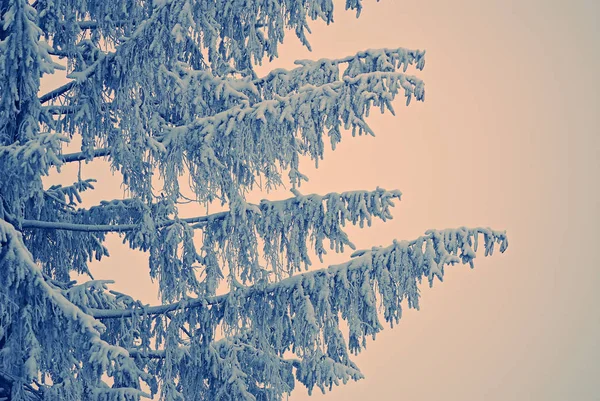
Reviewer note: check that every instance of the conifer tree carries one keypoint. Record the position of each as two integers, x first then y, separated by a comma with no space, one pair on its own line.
166,89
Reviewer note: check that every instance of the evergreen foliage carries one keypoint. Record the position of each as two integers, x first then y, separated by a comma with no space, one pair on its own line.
165,89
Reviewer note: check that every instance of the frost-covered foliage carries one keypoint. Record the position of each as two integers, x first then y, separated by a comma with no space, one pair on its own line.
166,89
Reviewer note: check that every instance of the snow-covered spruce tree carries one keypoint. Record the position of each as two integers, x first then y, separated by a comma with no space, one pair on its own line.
163,89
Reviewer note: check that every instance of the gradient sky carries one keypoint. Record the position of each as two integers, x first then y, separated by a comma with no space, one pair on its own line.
507,138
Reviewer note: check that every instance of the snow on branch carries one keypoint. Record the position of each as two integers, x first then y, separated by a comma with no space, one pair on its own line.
57,92
229,149
34,156
201,92
79,156
39,327
69,195
285,231
22,166
318,72
301,315
169,94
397,268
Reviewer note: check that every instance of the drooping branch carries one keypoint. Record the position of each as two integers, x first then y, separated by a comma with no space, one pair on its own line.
94,24
51,303
441,248
61,90
9,235
273,103
59,110
104,57
115,228
197,221
161,354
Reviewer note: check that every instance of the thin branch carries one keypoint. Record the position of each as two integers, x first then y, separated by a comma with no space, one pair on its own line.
91,70
215,300
161,354
59,110
51,225
359,260
95,24
57,92
185,331
79,156
114,228
197,221
60,53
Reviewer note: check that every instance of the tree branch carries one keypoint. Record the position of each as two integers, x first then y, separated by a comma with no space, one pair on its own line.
95,24
198,221
57,92
52,225
60,53
92,69
360,260
115,228
9,379
79,156
408,57
59,305
59,110
161,354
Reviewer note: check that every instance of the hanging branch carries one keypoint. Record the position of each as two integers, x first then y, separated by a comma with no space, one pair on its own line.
439,241
17,262
108,228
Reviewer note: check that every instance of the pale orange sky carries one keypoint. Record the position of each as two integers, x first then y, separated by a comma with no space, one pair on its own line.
507,138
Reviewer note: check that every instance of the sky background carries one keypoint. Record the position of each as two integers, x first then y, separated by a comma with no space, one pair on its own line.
508,138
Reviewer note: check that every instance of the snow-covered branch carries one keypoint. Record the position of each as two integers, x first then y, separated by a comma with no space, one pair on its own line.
182,86
79,156
166,89
303,312
70,195
228,149
185,350
48,312
114,228
280,82
425,256
197,221
57,92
